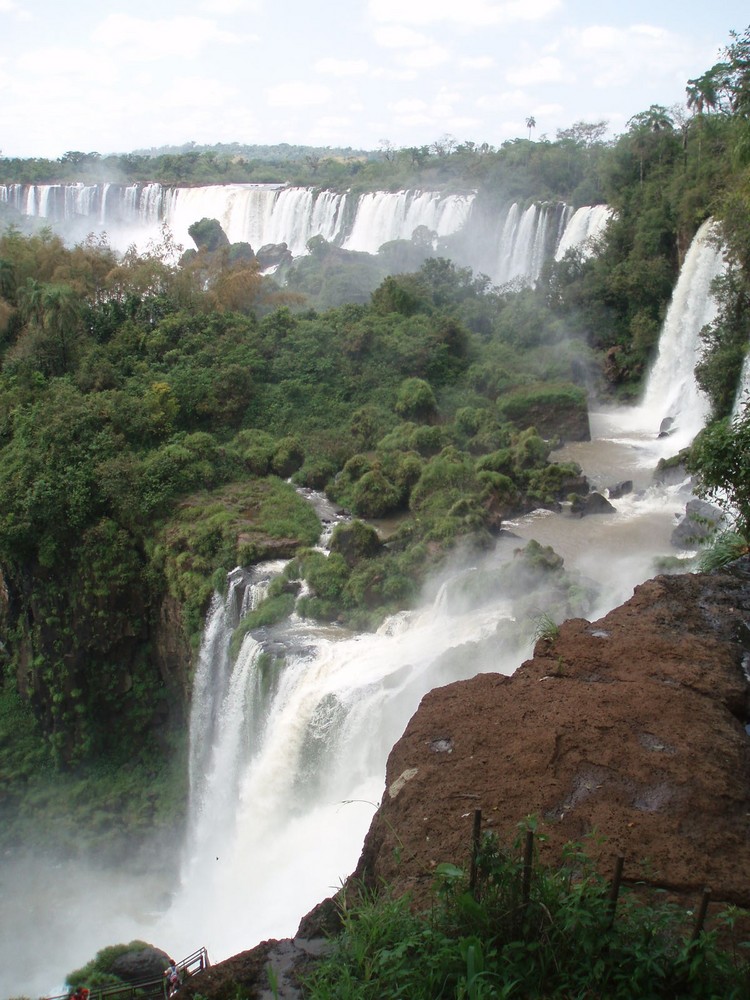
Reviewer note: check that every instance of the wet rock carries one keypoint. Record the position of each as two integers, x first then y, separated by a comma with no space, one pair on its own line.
592,503
619,490
700,522
666,427
137,966
272,255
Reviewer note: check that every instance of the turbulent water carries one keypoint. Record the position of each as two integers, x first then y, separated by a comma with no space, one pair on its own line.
508,244
287,766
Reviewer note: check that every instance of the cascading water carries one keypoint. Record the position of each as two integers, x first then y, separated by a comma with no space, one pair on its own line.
383,216
742,397
672,402
522,248
583,228
293,758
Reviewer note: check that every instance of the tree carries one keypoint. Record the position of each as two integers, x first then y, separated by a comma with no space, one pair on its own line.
703,93
719,457
583,133
416,400
646,130
444,146
388,150
530,124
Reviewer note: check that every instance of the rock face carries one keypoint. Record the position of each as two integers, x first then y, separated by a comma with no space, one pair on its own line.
701,520
633,727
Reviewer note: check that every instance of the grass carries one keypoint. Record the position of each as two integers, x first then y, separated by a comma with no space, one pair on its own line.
545,627
560,939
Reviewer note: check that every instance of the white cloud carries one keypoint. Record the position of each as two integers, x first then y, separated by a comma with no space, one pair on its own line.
408,107
548,69
618,57
415,120
477,62
297,94
11,7
426,58
542,111
333,121
142,40
502,100
468,13
66,65
397,37
399,75
231,6
196,92
341,67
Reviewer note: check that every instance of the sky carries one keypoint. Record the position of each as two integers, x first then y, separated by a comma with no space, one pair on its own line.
114,76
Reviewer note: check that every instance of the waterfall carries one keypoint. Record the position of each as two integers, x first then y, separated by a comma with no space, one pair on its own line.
383,216
522,242
288,751
526,238
509,245
672,394
742,396
582,229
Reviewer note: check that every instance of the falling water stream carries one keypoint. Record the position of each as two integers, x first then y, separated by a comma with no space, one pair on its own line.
287,763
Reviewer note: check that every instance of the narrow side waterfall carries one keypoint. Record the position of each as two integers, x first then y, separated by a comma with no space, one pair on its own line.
672,403
742,396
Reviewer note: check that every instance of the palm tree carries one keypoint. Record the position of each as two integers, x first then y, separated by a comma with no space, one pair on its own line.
530,124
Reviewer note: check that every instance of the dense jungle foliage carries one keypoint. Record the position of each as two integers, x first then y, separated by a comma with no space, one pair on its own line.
152,409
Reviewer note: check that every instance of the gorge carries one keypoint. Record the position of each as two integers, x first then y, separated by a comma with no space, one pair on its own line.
287,768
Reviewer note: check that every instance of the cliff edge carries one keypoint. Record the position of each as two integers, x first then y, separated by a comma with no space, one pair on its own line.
633,727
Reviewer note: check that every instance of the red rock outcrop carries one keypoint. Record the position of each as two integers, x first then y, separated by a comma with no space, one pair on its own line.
633,727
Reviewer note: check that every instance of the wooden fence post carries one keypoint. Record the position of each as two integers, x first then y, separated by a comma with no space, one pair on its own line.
475,835
614,890
701,915
528,856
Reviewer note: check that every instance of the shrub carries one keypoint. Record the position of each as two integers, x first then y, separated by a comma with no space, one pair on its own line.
288,456
415,400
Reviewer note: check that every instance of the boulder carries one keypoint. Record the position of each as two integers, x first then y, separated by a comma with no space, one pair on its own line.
620,489
700,522
272,255
592,503
140,965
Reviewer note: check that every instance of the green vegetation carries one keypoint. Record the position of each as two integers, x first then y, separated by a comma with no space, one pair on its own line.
485,935
98,974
